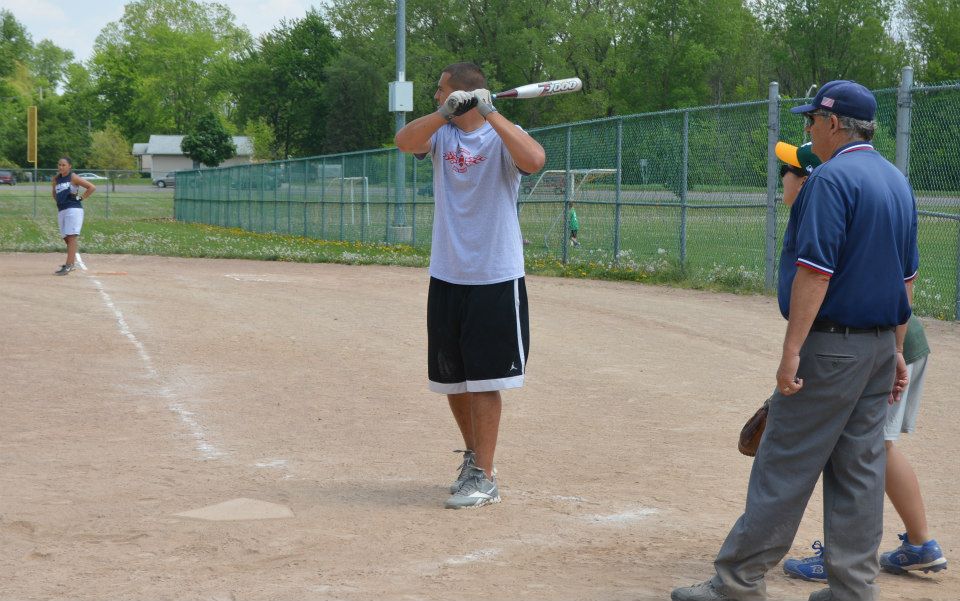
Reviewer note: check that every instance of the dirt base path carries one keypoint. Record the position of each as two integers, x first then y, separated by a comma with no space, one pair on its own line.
216,430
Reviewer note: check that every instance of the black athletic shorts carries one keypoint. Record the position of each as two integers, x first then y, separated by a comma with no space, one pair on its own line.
478,337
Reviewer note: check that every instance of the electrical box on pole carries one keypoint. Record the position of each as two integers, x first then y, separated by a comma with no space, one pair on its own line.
401,96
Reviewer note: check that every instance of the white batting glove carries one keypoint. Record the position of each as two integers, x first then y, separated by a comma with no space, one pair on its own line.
456,104
484,102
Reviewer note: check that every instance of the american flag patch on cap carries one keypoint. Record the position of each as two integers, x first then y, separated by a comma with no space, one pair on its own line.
827,102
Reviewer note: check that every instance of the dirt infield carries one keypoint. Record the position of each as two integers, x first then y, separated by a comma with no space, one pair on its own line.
296,396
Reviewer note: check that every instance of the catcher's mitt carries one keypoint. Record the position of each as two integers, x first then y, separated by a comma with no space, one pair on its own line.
753,430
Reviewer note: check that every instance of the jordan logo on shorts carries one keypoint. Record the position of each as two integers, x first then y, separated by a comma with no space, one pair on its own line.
513,366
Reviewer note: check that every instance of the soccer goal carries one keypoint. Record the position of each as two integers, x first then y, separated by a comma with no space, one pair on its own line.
355,190
555,181
546,193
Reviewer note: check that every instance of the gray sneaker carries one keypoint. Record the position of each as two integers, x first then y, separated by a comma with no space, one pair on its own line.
65,269
469,461
823,594
476,491
705,591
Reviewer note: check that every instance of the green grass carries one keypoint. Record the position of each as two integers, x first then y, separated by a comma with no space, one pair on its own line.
166,237
724,250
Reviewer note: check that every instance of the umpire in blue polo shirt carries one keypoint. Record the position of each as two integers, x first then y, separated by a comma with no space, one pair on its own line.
846,284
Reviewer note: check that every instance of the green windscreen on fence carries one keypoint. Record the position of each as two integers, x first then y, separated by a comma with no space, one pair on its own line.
684,189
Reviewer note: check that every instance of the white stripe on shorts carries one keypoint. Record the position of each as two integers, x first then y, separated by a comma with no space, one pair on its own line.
477,385
455,388
516,312
495,384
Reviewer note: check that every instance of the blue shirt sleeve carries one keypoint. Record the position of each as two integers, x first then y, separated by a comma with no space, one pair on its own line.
821,226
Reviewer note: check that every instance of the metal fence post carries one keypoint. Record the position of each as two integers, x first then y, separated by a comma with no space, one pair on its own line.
616,196
399,216
904,108
286,176
683,189
323,200
413,204
263,198
773,134
227,205
106,202
306,217
216,203
568,178
956,309
343,173
386,219
364,205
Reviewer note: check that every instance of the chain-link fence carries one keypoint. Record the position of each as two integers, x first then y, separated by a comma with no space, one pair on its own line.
119,194
694,190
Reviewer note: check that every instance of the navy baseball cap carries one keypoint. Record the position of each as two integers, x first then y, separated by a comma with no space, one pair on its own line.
847,98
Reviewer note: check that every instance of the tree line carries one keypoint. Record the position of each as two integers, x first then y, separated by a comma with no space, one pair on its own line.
318,84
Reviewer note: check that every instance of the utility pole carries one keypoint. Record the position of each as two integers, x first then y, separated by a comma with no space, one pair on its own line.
401,102
32,126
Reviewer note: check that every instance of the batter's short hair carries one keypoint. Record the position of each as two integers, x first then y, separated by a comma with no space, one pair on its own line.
466,77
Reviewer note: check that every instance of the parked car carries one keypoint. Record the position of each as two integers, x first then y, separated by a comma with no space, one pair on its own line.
91,176
8,178
169,179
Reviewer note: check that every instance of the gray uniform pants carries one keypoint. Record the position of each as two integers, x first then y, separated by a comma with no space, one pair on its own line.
834,425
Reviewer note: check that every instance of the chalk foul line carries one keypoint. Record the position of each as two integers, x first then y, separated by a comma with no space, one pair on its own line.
186,417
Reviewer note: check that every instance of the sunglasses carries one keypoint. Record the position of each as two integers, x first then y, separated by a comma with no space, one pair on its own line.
808,117
784,169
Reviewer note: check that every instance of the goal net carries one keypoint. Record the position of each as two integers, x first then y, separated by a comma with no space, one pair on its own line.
356,191
555,182
543,196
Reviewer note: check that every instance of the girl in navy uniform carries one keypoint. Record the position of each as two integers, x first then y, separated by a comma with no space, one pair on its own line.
67,193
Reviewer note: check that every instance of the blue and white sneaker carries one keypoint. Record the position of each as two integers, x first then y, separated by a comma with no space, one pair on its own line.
927,557
476,491
808,568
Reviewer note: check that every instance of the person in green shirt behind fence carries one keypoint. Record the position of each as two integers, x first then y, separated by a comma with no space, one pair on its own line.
574,226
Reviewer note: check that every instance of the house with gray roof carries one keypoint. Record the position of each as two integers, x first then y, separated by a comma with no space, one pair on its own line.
143,159
162,154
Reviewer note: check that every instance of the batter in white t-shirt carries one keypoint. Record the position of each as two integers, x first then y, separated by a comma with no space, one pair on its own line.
478,333
476,234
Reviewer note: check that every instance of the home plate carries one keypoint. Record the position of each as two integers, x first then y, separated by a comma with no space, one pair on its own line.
239,509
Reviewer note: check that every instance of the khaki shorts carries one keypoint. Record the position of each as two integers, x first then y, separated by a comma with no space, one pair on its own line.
902,415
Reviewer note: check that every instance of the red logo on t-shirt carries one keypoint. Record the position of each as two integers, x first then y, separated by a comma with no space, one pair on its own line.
462,159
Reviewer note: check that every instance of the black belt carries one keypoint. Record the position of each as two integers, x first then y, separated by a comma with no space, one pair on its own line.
832,327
